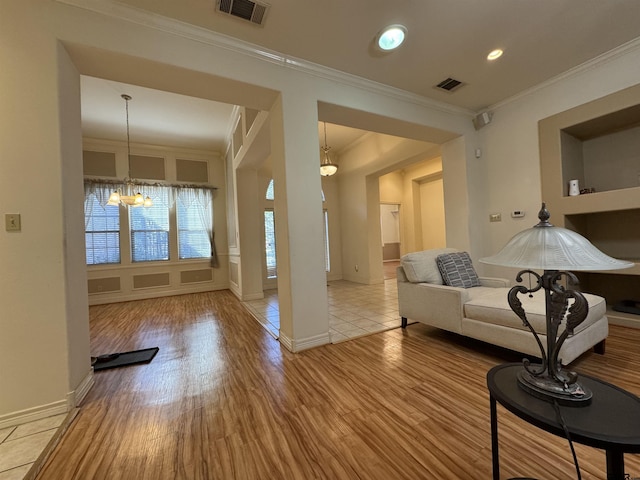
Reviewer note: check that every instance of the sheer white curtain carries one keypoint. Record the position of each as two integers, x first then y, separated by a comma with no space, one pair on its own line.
201,200
101,191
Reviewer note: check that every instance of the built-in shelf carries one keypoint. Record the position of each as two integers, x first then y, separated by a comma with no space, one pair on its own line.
598,144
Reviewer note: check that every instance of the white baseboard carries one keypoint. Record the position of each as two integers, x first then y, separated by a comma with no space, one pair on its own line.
286,341
154,292
75,397
235,290
623,321
56,408
304,343
32,414
252,296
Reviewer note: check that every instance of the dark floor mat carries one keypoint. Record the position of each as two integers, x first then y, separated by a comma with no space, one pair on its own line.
114,360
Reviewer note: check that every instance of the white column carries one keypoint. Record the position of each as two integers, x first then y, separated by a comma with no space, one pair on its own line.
249,221
302,287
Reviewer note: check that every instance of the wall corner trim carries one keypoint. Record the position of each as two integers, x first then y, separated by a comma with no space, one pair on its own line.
75,397
297,345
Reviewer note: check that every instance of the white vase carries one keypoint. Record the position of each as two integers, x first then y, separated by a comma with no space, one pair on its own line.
574,188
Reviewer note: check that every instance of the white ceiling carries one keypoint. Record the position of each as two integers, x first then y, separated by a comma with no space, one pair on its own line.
165,118
541,39
155,117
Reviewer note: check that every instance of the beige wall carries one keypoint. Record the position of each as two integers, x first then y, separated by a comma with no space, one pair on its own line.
363,184
432,213
612,162
422,218
412,212
511,155
44,328
43,346
392,187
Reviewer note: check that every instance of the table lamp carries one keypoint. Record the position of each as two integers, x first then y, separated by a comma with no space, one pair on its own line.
554,250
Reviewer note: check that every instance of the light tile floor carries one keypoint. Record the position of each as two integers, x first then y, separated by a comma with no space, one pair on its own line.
21,446
354,309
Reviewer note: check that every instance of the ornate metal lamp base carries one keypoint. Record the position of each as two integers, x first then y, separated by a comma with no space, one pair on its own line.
547,388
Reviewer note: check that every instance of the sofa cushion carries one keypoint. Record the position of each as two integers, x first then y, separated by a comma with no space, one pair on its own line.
494,308
457,270
420,267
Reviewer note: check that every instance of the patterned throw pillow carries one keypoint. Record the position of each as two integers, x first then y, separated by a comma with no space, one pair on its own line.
457,270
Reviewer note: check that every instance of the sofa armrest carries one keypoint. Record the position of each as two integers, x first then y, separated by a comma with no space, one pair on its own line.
436,305
494,282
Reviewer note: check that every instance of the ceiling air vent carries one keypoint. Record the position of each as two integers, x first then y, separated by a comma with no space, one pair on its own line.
450,84
253,12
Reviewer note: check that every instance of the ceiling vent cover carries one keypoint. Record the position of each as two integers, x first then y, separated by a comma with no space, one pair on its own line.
253,12
450,85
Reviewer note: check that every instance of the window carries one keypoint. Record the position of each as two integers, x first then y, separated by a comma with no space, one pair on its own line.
270,243
102,225
270,235
269,194
325,235
195,221
150,227
102,232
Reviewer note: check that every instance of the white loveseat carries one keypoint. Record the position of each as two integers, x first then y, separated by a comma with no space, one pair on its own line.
483,312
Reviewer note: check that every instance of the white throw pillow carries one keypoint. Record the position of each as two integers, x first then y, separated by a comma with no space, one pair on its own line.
421,267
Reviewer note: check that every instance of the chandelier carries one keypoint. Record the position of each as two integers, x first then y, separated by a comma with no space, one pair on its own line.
131,199
327,166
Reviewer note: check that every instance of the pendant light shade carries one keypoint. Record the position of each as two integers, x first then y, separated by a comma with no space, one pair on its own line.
556,251
328,166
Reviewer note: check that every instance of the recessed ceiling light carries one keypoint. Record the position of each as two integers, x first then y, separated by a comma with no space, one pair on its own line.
495,54
391,37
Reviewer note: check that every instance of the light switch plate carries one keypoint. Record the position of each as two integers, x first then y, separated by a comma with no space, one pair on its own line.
495,217
12,222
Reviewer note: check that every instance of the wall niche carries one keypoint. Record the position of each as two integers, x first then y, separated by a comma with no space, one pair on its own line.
598,144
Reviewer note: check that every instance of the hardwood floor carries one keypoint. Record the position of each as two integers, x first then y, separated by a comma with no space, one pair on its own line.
389,269
223,400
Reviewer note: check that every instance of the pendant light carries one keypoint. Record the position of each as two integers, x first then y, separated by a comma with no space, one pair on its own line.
328,166
129,200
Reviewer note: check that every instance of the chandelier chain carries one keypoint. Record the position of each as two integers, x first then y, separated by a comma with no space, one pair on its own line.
126,102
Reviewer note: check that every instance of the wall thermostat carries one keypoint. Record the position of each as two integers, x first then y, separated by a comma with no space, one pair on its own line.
517,213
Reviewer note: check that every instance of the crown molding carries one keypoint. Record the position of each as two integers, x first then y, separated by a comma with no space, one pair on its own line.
209,37
584,67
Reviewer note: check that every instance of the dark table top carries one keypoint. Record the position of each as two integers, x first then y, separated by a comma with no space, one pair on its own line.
611,421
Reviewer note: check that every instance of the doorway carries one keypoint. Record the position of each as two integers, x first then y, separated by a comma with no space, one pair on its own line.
390,227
